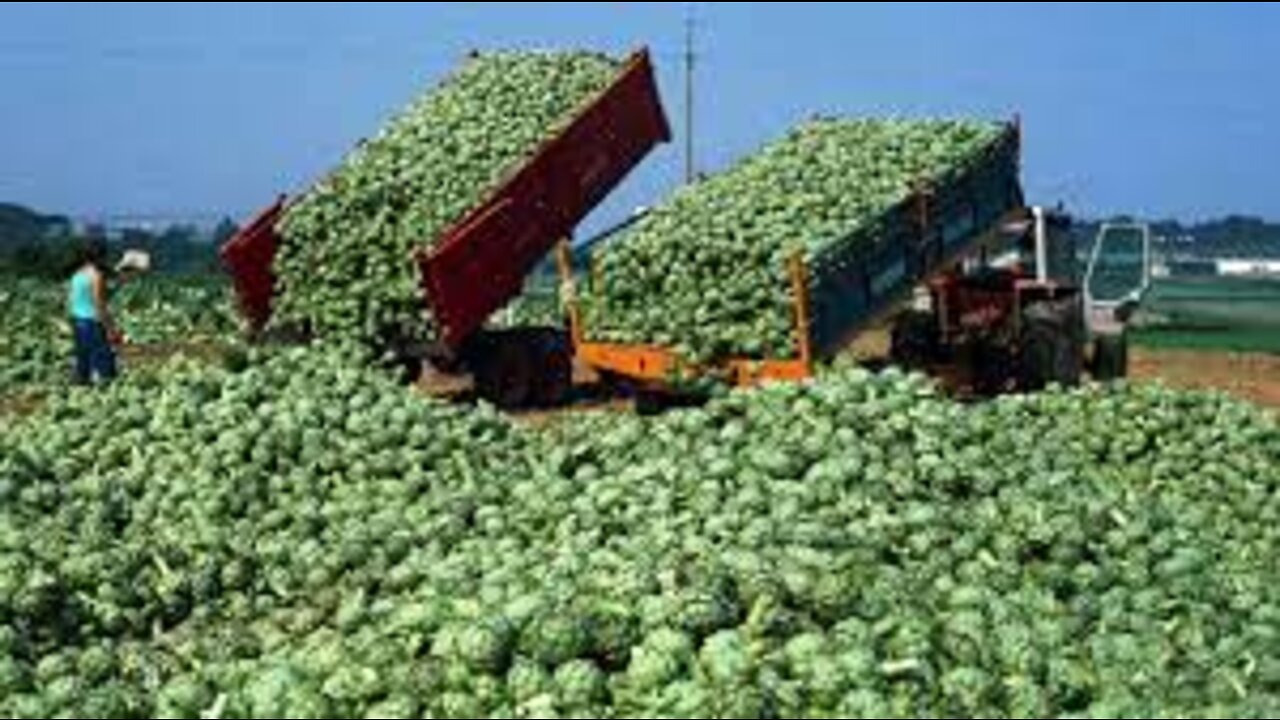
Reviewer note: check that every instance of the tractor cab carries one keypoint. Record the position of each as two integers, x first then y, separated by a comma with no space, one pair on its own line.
1116,282
1119,274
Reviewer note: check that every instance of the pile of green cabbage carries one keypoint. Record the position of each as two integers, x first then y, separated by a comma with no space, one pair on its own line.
35,335
346,268
304,539
175,309
537,306
706,272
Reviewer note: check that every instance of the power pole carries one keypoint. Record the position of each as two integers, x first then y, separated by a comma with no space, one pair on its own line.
690,58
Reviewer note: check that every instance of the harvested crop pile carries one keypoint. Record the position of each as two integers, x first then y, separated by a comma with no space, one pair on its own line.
305,540
346,268
35,339
146,527
706,272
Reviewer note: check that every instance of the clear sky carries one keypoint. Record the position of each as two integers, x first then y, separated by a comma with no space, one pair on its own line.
1158,109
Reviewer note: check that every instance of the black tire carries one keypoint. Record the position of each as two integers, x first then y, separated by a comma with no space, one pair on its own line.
651,402
1051,346
554,383
991,366
656,401
1111,356
408,368
612,385
914,339
506,377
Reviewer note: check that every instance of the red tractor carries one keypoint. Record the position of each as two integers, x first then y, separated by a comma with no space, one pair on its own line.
1018,314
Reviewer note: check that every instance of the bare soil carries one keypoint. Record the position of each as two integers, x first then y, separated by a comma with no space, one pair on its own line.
1254,377
1250,376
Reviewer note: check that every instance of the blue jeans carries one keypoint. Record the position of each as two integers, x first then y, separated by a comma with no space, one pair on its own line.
94,355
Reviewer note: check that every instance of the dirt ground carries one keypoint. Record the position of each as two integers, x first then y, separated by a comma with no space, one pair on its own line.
1250,376
1253,377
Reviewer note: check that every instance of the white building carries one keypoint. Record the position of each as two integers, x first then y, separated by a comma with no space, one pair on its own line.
1249,267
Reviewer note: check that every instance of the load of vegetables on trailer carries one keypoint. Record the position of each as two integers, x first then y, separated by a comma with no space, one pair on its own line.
706,273
346,268
301,538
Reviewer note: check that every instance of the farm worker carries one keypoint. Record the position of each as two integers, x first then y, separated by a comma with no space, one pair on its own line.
90,318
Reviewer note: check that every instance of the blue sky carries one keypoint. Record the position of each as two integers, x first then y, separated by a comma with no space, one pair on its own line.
1157,109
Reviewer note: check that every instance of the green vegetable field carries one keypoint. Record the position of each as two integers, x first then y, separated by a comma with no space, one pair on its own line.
305,539
35,337
1239,314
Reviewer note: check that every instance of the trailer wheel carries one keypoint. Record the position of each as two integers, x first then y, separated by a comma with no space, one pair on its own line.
1051,348
408,368
555,378
914,342
505,378
612,384
650,402
1111,356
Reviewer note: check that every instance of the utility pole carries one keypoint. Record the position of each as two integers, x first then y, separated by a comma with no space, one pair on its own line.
690,58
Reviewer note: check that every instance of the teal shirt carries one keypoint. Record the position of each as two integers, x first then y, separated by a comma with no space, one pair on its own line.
80,298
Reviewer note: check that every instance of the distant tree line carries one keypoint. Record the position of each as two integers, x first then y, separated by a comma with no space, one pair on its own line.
1234,236
37,244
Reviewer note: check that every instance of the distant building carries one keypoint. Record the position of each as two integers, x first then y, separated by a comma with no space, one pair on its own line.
1187,267
1249,267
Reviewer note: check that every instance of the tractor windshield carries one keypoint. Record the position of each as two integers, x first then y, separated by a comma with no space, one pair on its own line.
1119,270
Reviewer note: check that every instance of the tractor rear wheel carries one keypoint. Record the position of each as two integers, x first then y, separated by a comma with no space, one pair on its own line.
1052,350
914,341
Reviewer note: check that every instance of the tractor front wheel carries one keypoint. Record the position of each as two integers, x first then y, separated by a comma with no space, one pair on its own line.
1111,356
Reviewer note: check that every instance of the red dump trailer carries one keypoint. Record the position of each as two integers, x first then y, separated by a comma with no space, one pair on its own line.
480,264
